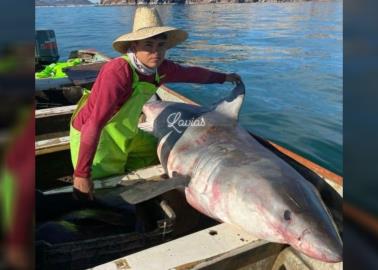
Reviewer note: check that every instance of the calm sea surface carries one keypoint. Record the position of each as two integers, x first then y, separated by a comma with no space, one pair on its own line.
289,56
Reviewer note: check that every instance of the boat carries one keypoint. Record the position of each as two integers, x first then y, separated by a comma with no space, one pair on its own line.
197,242
62,83
53,92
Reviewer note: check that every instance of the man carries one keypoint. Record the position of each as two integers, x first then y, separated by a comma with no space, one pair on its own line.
104,137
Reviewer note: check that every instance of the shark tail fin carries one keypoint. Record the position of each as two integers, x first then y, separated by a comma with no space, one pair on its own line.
230,106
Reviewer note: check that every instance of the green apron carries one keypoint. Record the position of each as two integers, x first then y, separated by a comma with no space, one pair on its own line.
121,141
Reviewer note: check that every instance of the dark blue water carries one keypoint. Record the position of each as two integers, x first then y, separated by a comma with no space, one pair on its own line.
288,54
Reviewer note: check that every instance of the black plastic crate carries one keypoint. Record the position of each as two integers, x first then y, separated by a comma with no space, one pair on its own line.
154,224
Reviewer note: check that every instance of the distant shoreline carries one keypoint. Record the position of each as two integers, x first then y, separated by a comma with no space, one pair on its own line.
153,3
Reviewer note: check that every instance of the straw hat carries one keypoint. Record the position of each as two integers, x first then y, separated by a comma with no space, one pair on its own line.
147,23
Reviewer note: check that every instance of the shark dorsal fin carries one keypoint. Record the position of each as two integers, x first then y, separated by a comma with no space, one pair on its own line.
230,106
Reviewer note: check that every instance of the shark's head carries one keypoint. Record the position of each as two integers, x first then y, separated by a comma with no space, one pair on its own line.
309,227
296,215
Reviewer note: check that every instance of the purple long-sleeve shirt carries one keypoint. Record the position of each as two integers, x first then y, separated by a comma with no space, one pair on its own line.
112,89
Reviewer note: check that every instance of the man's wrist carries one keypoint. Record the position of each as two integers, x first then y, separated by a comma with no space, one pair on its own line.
82,175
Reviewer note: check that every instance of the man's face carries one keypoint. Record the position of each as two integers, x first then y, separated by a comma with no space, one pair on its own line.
150,51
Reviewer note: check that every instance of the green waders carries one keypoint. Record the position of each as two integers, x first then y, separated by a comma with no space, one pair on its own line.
122,146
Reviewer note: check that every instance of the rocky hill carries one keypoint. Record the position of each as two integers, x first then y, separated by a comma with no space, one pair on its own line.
125,2
62,2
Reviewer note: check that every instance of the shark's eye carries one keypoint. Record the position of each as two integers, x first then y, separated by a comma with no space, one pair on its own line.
287,215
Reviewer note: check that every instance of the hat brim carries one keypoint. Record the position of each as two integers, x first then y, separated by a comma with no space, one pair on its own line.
174,37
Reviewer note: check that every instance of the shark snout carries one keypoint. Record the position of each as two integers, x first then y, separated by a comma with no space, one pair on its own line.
324,248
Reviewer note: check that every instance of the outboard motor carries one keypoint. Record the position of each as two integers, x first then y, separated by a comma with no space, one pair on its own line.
46,49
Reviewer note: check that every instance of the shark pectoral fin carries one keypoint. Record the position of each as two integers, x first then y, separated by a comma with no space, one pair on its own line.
144,190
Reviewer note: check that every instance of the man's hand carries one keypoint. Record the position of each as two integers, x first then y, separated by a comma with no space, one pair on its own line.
82,188
233,77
